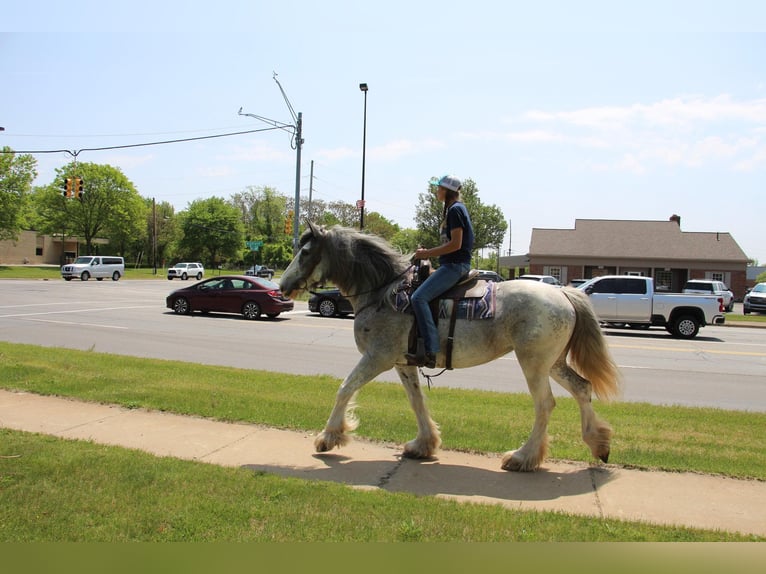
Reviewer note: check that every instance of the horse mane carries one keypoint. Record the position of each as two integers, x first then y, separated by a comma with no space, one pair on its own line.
359,262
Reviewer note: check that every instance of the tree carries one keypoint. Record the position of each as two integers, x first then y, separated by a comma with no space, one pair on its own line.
110,207
17,172
212,231
489,225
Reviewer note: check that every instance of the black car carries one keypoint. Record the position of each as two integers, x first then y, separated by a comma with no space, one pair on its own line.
330,303
260,271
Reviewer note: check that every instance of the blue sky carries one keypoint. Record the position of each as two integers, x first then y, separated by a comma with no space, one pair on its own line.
557,110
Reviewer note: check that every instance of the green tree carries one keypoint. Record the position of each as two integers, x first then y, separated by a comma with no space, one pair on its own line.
489,225
110,207
213,231
17,172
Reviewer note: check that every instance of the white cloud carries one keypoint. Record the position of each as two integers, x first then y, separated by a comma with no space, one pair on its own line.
214,171
690,131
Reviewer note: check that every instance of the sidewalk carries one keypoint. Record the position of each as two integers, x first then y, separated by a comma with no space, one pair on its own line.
603,491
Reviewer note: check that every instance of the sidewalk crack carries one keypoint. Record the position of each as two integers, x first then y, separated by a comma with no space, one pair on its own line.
592,472
386,478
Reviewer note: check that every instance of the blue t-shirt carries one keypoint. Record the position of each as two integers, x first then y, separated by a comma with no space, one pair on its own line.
457,217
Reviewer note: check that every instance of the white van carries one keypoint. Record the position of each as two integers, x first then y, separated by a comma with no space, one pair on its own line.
96,266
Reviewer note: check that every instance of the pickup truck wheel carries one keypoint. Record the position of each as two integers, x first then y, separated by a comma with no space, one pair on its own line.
686,327
730,308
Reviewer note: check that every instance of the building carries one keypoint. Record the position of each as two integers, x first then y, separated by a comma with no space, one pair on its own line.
32,248
658,249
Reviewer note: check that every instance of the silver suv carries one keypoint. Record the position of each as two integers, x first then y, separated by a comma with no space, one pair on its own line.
186,270
710,287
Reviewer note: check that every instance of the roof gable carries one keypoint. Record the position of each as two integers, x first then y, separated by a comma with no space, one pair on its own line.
628,239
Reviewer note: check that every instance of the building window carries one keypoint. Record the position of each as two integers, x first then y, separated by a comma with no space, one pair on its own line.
663,280
555,272
39,251
716,276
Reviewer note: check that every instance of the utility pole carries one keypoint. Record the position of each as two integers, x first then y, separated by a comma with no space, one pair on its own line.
311,187
297,131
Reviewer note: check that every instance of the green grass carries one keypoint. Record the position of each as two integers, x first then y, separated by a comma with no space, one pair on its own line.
74,491
47,272
646,436
756,318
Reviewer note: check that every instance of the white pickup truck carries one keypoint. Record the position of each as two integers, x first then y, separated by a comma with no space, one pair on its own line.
626,299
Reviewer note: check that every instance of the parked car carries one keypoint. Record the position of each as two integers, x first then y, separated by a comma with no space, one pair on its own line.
330,303
710,287
549,279
249,296
755,299
260,271
88,266
489,276
628,300
576,282
186,270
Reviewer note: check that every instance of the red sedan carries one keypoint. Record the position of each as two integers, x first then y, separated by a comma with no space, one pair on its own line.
248,296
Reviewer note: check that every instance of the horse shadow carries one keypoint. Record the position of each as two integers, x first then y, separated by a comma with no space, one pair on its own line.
433,477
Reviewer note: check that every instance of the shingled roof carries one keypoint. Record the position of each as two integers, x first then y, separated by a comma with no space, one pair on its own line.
625,239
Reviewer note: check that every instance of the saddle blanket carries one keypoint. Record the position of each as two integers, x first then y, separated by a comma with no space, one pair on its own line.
474,308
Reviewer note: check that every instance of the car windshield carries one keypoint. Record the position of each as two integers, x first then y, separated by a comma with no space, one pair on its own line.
760,288
82,260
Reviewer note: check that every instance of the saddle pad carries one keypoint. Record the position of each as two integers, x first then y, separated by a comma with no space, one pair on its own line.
474,308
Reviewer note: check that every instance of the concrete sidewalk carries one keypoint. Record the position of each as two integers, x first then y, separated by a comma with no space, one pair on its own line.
603,491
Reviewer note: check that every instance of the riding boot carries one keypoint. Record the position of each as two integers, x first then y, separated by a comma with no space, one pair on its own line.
421,358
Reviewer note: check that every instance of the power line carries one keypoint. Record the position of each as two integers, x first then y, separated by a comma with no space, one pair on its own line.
75,153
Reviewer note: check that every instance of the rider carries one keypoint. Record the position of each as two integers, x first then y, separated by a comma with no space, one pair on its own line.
454,255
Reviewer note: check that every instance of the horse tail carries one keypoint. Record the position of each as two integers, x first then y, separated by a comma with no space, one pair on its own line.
588,350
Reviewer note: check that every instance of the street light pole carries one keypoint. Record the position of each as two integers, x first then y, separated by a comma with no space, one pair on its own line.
363,87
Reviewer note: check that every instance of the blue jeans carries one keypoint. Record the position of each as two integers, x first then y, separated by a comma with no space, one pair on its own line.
437,283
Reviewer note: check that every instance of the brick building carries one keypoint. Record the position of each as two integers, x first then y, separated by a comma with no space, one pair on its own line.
658,249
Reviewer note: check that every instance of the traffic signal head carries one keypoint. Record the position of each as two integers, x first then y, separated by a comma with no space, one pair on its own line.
78,188
68,187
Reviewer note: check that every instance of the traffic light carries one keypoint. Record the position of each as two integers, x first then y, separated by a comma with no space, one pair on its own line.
68,187
78,187
288,225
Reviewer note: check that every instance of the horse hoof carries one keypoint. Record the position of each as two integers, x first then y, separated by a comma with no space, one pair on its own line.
515,464
604,457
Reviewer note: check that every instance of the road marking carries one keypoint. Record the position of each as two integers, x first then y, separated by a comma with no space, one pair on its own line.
78,324
687,350
16,315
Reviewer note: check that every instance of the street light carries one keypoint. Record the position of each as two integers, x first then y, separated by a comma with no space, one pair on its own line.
363,87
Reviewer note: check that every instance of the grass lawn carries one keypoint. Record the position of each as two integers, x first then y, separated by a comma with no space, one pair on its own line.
646,436
75,491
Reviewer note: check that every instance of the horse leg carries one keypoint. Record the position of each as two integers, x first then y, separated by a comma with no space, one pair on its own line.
533,452
428,440
342,419
596,432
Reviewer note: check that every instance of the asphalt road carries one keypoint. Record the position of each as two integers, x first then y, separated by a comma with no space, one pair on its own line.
723,367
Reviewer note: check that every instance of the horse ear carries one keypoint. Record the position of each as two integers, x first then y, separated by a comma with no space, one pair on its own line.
314,231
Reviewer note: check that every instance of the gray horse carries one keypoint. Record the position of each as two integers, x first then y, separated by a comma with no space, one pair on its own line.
541,323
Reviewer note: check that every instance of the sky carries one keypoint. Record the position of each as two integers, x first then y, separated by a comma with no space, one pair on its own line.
556,110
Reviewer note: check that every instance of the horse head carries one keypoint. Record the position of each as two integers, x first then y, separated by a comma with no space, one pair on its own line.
305,271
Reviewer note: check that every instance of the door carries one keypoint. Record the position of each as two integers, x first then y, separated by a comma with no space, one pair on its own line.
634,303
603,297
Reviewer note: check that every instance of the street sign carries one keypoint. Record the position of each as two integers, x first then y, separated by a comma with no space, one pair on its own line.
254,245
